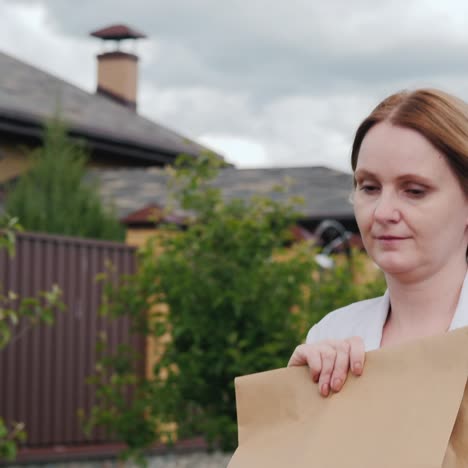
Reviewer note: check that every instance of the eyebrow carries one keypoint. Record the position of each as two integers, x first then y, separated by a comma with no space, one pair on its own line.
362,173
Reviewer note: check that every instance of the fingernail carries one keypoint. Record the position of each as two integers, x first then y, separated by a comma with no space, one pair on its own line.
315,378
357,367
325,389
337,384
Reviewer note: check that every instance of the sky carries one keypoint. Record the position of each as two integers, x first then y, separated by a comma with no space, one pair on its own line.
265,83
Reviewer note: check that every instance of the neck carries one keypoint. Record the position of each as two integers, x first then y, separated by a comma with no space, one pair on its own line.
425,306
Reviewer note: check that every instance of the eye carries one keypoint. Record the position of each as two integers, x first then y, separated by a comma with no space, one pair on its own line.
369,188
416,192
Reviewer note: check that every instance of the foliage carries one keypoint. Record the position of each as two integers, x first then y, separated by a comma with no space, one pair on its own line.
123,402
8,226
30,311
340,286
52,196
9,438
222,298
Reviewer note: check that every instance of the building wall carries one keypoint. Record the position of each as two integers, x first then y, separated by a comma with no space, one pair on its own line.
13,160
139,237
154,346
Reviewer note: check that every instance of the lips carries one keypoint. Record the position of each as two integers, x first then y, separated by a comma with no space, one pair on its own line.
390,238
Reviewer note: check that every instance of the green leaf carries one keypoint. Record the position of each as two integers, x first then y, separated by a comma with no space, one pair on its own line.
3,429
7,450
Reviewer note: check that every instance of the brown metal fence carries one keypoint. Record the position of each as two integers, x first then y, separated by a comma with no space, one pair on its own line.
42,375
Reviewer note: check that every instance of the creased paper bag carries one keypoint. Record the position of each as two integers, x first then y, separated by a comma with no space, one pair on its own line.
409,409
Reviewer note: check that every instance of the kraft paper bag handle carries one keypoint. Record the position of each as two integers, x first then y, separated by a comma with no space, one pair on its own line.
399,414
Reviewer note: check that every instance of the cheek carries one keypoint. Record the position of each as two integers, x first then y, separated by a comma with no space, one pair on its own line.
363,214
464,209
439,225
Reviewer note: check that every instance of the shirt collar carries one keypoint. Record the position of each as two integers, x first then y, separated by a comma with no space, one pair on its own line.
379,318
460,318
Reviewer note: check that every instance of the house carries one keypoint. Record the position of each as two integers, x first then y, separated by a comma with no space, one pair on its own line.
140,195
107,120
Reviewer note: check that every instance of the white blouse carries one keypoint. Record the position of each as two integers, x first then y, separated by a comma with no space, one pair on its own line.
367,318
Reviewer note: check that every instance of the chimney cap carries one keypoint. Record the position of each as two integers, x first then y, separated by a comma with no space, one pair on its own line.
118,32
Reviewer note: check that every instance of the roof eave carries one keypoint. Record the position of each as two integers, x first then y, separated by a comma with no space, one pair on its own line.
16,124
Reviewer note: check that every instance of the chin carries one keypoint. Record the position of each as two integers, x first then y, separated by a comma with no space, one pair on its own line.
394,264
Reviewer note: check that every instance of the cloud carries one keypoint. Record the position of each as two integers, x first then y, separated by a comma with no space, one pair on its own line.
249,153
274,49
24,34
292,78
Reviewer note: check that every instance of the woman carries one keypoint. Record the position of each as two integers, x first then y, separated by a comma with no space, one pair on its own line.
410,163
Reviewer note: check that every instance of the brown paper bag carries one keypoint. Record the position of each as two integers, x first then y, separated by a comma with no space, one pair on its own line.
409,409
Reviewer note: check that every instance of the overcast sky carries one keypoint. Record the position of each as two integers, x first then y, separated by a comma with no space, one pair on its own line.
265,82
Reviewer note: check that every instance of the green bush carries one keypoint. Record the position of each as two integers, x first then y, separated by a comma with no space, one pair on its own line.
238,303
52,197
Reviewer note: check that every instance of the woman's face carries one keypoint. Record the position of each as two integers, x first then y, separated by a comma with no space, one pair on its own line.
409,206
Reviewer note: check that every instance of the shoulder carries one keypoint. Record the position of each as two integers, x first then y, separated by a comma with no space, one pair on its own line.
353,320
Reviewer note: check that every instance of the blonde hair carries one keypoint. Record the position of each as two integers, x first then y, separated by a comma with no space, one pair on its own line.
440,117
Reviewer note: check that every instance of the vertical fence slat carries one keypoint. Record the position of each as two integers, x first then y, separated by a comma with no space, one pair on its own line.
22,347
98,433
47,417
71,299
60,364
82,340
7,357
93,305
35,341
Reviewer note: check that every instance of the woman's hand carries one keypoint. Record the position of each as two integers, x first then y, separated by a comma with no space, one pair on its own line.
330,360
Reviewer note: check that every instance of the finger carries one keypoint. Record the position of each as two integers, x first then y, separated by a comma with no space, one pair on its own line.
357,354
314,361
328,356
298,357
307,354
340,371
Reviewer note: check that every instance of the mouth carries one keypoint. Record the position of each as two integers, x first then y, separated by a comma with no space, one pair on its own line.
390,238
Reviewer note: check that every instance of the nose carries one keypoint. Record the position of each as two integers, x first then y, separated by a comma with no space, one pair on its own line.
386,208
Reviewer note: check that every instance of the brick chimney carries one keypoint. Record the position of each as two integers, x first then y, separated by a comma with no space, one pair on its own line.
117,75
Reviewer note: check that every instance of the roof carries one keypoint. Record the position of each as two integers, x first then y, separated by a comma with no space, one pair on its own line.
150,215
325,191
28,96
118,32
